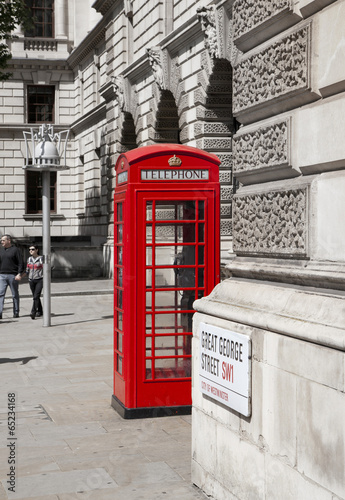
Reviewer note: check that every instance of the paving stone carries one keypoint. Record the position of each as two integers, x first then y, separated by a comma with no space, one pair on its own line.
69,437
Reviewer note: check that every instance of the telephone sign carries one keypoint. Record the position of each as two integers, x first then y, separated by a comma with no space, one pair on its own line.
166,251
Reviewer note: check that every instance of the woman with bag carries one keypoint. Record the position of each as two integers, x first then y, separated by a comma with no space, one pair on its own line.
34,270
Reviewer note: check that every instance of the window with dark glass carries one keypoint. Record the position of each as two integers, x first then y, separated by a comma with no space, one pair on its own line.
43,17
40,103
34,190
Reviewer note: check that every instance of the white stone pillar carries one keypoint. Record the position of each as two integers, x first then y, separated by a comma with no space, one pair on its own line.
60,12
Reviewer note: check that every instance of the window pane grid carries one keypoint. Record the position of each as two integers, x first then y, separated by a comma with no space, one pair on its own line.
175,260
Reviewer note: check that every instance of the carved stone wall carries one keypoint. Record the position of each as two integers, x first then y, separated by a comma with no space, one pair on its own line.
276,72
248,14
264,153
271,224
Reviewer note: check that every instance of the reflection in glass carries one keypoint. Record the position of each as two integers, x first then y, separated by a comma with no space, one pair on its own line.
173,368
175,233
119,299
119,256
119,276
119,233
168,255
165,212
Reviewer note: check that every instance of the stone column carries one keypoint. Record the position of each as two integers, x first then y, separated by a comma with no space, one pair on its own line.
60,12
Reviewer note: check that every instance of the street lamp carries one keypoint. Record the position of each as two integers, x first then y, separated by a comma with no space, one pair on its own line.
44,151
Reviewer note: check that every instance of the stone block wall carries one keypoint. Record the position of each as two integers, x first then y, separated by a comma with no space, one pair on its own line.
287,280
292,446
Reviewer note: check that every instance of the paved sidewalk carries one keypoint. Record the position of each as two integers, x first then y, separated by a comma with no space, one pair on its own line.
67,442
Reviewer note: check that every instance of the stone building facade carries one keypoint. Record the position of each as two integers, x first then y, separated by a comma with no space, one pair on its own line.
124,74
285,294
260,83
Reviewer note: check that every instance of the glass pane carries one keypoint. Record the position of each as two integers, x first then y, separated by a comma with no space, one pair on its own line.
119,212
149,233
168,278
201,231
148,300
149,346
119,256
165,211
148,369
173,368
201,281
149,256
119,320
119,299
119,276
201,210
175,255
120,342
148,278
168,300
175,233
186,210
168,323
179,210
119,364
201,255
149,210
119,233
174,345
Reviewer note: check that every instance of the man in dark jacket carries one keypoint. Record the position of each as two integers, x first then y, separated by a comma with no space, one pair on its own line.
11,270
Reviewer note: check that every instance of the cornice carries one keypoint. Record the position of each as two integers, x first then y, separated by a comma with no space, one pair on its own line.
91,41
178,38
103,6
94,116
138,68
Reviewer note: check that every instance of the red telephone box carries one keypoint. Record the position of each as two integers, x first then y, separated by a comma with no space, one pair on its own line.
166,249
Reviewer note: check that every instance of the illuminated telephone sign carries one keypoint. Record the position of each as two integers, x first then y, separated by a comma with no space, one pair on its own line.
166,255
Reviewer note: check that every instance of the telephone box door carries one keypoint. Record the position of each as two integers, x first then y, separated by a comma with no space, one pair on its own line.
176,240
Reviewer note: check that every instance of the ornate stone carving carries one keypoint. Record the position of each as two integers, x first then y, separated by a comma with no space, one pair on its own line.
156,63
248,14
226,227
119,90
224,176
277,70
264,147
208,24
272,223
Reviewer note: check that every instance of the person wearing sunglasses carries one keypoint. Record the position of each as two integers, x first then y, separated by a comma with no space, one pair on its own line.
34,271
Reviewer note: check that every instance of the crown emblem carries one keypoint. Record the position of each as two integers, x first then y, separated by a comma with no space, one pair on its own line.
174,161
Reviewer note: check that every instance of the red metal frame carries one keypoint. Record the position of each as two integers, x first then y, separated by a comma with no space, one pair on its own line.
168,210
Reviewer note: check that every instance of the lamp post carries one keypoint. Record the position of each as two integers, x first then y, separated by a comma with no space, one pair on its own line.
43,149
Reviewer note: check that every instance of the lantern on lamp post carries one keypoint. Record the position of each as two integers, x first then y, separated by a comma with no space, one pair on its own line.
46,152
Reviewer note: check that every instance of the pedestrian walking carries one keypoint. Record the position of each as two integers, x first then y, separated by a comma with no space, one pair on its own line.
11,271
34,271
